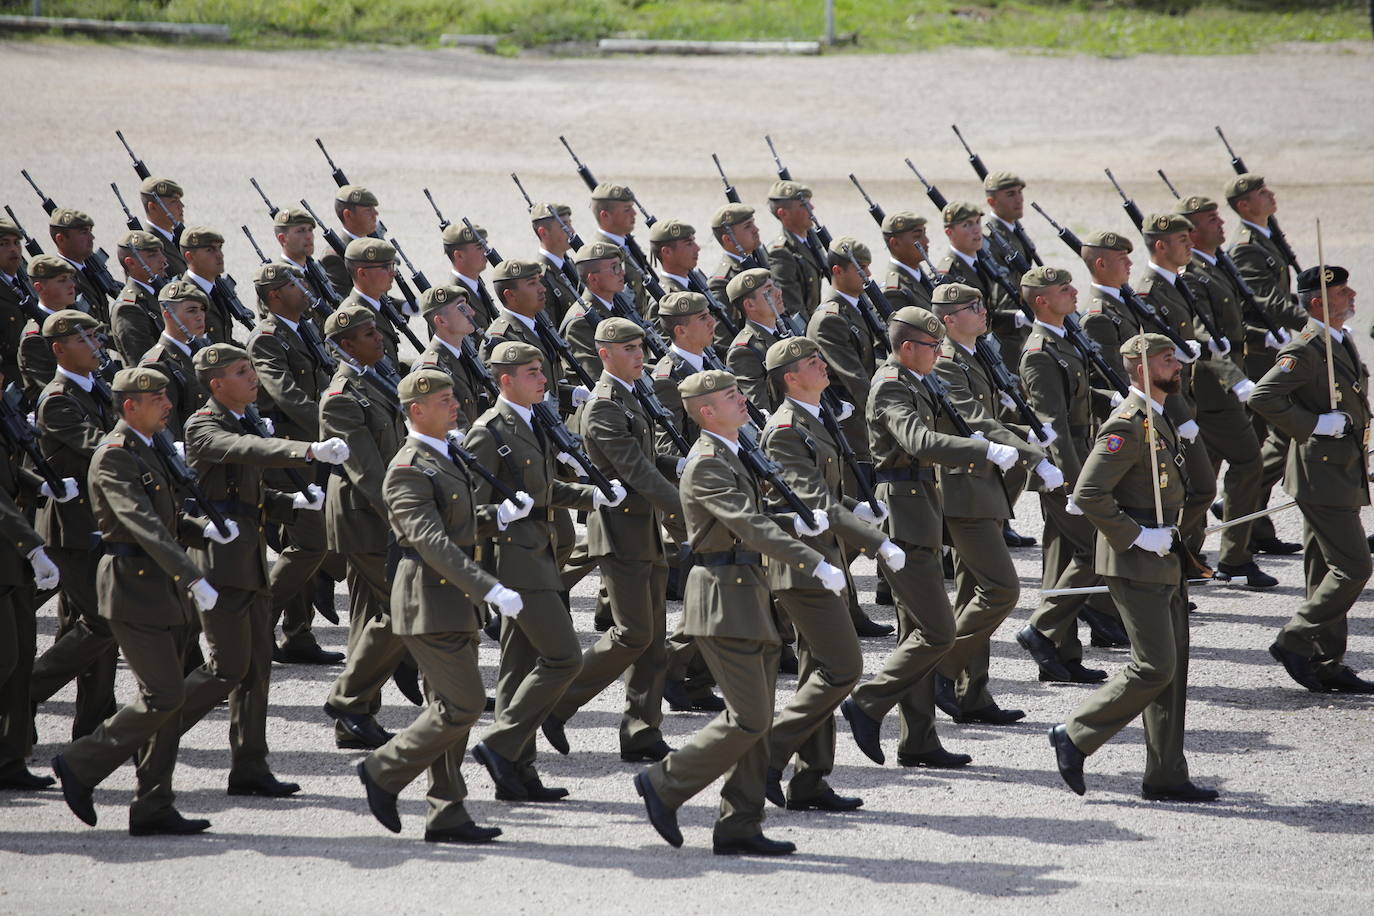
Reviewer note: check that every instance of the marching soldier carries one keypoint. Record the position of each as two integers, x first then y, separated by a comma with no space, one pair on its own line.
613,208
356,209
1105,316
1133,488
601,265
294,230
184,307
790,259
520,296
12,317
904,233
72,236
447,311
738,237
755,295
371,265
203,249
1326,474
435,599
156,221
467,259
1007,202
135,318
555,259
54,281
726,611
673,247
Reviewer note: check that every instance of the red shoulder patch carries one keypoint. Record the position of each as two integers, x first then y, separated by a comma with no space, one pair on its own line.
1286,363
1114,443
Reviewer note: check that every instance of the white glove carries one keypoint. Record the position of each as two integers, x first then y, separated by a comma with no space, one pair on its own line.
1048,435
312,500
268,425
505,600
213,534
409,310
845,412
1243,389
1006,400
204,594
180,449
681,466
1021,320
1217,349
819,523
569,460
1071,507
1188,430
892,555
1004,456
864,511
1331,424
1117,398
508,511
1051,475
70,489
1155,540
580,395
600,499
1274,342
832,577
330,451
1191,354
45,574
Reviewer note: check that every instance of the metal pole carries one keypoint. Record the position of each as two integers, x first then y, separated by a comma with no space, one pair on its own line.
829,21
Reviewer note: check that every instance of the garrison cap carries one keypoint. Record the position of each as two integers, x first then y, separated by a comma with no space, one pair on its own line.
273,276
617,330
670,230
422,382
597,251
1154,344
745,282
785,352
956,211
138,380
69,218
1243,184
707,382
681,303
368,250
1157,224
436,297
292,216
345,319
515,269
1113,241
181,289
1002,181
955,294
200,237
846,245
460,234
48,266
7,227
217,355
355,195
1310,281
140,240
66,322
1041,277
789,190
920,319
160,187
1195,203
514,353
609,191
731,215
901,221
547,211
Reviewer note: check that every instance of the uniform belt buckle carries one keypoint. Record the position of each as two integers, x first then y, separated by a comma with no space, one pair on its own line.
503,451
147,479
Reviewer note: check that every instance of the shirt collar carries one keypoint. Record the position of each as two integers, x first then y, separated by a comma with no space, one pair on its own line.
159,230
376,306
1262,230
732,446
293,325
200,281
144,285
1159,408
968,259
1010,227
456,351
1210,259
466,280
523,412
77,264
293,263
814,410
1166,274
738,259
1338,335
86,382
1109,291
695,360
1057,332
773,330
527,322
439,445
682,281
146,440
618,239
628,386
552,258
184,348
915,273
852,300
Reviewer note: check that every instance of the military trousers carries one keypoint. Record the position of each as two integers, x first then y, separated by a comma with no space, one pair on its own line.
986,589
292,578
1070,548
373,650
1202,492
1230,437
86,652
734,744
1336,565
18,642
1274,458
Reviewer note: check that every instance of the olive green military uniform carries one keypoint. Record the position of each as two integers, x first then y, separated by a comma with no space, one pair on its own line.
174,359
340,277
12,322
176,262
797,273
730,265
902,288
563,287
634,277
1108,322
135,321
219,324
18,631
467,391
1002,238
390,336
848,348
36,361
579,329
745,358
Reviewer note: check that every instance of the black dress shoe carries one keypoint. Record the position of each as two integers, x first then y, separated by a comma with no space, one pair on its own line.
489,704
279,655
1078,674
463,833
1343,680
772,787
882,593
407,680
663,818
867,628
1106,632
170,824
938,759
1274,546
679,700
1371,543
78,797
380,802
322,598
556,736
535,791
1299,668
363,731
826,801
1012,539
1068,758
266,785
1044,652
509,787
947,565
310,654
1183,793
1250,574
21,780
867,732
1217,509
991,715
787,661
756,845
945,699
651,754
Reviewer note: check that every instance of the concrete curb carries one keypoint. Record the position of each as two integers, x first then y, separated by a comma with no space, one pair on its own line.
194,30
654,46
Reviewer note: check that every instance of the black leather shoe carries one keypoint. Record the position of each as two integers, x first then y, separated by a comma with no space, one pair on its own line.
1250,573
1044,652
489,704
555,734
21,780
679,700
826,801
170,824
1217,509
947,565
310,655
1371,543
279,655
1078,674
1274,546
756,845
407,680
938,759
945,699
787,661
1299,668
502,772
675,577
866,731
651,754
380,802
1068,758
1343,680
1105,631
364,732
1184,793
1012,539
991,715
463,833
663,818
882,593
872,629
536,791
323,598
78,797
493,628
268,786
772,787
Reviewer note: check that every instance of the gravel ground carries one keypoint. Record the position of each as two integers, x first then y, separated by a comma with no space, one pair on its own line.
1292,832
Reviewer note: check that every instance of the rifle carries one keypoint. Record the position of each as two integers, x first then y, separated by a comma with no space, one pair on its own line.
766,469
938,199
142,172
846,450
1276,234
566,441
130,220
732,196
253,420
30,244
818,237
1007,383
304,327
871,301
328,299
982,172
20,434
568,271
195,343
644,393
631,246
156,281
385,379
711,361
100,387
28,299
94,265
184,476
468,458
224,292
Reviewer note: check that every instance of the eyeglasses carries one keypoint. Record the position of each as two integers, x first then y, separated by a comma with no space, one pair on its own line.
931,344
972,306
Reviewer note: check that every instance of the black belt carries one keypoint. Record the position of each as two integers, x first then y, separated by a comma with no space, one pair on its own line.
727,558
1146,517
117,549
412,553
910,472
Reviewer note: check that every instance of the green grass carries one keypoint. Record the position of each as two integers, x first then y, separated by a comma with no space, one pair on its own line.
1102,28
